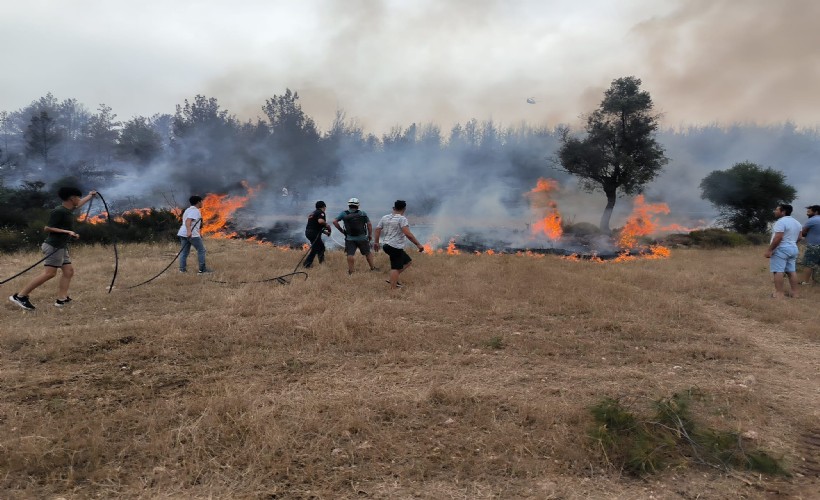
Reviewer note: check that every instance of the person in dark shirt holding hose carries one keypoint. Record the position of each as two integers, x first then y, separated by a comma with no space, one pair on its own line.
60,231
316,225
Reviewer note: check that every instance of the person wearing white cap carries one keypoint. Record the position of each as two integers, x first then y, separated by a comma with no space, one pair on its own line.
358,233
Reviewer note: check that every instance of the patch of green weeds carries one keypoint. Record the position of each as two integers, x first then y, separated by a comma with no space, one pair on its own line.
671,436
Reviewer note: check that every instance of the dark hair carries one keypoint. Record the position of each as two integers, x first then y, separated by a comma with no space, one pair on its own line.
193,200
399,205
814,208
786,208
67,192
320,204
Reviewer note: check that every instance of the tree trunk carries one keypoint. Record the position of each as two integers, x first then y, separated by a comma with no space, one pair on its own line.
610,204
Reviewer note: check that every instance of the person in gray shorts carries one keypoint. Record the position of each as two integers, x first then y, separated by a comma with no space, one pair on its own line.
60,229
811,258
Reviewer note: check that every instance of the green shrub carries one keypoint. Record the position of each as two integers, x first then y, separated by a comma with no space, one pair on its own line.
716,238
671,436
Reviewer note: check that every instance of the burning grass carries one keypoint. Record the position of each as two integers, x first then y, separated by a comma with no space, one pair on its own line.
474,381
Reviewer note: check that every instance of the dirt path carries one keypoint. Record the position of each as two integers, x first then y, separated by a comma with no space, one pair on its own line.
786,372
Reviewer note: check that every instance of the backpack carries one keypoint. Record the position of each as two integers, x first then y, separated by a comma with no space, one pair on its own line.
355,223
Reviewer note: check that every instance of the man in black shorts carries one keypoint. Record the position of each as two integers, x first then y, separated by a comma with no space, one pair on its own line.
316,225
60,231
396,231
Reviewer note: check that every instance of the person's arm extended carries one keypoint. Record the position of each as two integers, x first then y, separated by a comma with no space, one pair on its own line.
778,237
412,238
86,198
376,238
50,229
369,230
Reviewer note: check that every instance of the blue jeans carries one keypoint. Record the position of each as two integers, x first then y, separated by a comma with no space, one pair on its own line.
186,249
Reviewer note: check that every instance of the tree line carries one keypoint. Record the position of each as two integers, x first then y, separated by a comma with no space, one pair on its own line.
621,150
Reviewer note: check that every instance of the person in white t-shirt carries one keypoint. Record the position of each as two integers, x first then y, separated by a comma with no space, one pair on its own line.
190,236
394,230
782,252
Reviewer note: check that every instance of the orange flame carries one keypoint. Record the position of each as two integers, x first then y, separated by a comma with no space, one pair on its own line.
451,248
217,210
550,223
640,222
432,242
100,218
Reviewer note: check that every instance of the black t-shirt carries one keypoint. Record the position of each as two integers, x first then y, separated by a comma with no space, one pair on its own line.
61,218
313,225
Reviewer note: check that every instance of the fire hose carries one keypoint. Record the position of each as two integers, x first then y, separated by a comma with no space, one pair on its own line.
185,245
113,242
29,268
280,279
116,258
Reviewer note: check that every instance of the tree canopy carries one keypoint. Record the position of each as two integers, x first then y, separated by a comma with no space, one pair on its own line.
619,153
746,195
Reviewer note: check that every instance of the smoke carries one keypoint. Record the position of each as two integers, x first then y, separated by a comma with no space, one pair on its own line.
733,61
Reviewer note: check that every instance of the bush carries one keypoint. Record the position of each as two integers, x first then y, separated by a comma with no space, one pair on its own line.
149,226
717,238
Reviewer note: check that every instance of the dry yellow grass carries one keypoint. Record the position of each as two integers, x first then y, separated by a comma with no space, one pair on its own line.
336,387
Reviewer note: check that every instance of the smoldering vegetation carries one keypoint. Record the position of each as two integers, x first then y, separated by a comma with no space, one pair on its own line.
469,180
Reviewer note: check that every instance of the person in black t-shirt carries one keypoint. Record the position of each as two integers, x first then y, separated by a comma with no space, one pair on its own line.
316,225
60,230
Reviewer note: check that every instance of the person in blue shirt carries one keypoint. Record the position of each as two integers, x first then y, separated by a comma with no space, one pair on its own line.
811,257
782,251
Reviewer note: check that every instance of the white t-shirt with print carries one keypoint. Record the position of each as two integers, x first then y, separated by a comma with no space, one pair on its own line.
190,213
392,234
790,228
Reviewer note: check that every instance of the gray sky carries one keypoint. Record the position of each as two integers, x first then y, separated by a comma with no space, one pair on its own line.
393,62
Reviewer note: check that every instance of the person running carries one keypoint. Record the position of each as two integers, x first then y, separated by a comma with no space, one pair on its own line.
811,257
358,233
190,236
316,225
60,229
782,251
396,231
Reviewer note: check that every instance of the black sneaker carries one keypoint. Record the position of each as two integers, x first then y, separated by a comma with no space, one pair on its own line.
22,302
61,303
205,271
398,283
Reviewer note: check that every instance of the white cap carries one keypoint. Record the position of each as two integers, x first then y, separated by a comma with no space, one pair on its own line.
353,201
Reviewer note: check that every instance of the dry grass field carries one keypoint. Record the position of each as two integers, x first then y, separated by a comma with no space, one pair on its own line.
474,381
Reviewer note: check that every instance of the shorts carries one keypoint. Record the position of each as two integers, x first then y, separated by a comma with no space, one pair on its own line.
811,257
55,257
398,257
351,246
784,259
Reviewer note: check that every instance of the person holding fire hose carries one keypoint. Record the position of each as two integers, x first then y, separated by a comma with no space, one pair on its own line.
811,257
396,231
190,236
782,251
358,233
316,225
60,229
